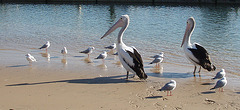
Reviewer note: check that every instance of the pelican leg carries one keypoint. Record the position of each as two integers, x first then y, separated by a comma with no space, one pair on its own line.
127,74
199,71
195,67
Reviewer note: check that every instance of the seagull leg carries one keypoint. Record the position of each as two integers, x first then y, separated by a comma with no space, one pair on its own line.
222,89
170,93
194,70
127,74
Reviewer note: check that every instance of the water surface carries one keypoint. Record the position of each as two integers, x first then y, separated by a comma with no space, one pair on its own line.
152,29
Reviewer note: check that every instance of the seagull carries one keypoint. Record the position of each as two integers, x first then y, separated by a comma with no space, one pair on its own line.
220,74
113,46
170,86
64,51
88,51
158,59
30,58
155,56
220,84
195,53
46,45
115,53
102,56
128,56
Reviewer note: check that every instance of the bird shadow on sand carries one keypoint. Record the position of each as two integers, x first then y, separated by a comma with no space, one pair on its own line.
171,75
78,56
97,80
208,92
237,92
154,97
207,83
14,66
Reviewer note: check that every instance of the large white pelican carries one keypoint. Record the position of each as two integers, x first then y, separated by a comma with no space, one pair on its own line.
195,53
129,56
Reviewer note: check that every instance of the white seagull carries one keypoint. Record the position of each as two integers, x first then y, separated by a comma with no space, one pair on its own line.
64,51
102,56
169,87
113,46
220,84
30,58
220,74
158,55
158,59
128,56
88,51
195,53
46,45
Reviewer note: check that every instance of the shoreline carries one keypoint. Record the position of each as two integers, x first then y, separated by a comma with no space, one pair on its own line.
216,2
78,84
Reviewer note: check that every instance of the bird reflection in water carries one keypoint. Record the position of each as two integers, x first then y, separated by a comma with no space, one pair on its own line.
157,69
46,55
88,60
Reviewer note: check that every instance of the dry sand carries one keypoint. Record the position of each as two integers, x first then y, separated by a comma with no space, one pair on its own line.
92,86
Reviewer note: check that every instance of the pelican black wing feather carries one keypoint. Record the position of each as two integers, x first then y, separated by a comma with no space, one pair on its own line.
138,64
203,56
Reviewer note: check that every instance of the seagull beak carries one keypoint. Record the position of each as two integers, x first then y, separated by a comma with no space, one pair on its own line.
119,23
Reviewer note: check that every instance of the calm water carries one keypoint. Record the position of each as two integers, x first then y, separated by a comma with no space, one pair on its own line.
152,29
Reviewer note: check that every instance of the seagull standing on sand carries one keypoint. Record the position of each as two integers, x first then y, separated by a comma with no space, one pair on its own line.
170,86
30,58
46,45
220,84
113,46
220,74
128,56
195,53
88,51
102,56
158,59
64,51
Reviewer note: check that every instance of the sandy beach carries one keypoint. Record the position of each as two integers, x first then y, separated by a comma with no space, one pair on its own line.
77,84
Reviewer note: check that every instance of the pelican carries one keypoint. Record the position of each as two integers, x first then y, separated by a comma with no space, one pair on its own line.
169,87
64,51
113,46
46,45
88,51
128,56
195,53
30,58
220,84
102,56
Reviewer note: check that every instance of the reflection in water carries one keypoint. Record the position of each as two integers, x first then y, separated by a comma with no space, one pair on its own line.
112,13
102,66
157,69
64,61
118,63
46,55
88,60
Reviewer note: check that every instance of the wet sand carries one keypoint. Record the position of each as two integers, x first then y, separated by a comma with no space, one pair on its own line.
81,83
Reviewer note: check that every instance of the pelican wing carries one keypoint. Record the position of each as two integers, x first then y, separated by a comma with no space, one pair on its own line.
134,60
203,57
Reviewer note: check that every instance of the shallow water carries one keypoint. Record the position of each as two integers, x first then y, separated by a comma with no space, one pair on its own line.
152,29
